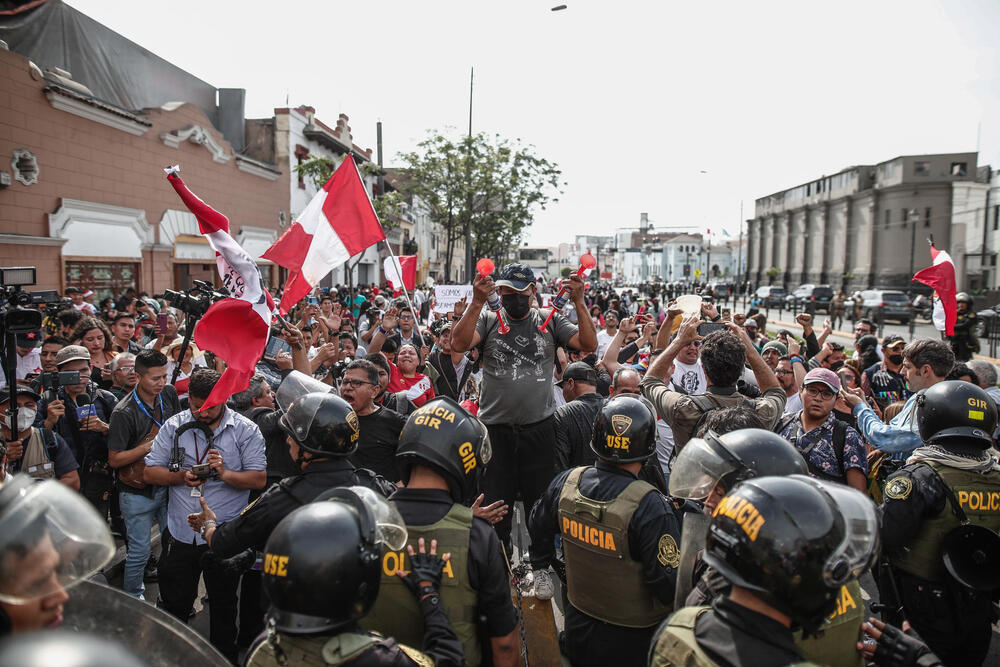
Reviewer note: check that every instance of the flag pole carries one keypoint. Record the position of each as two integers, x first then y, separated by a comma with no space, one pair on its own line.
416,318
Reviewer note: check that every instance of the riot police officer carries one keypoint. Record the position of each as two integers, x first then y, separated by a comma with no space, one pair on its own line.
50,540
948,487
964,342
619,537
321,575
755,541
322,431
442,454
713,466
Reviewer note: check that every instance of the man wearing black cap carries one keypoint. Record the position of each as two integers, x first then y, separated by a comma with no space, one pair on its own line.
516,402
884,381
37,452
29,359
574,421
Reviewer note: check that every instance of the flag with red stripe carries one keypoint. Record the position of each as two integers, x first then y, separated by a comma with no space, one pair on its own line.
941,277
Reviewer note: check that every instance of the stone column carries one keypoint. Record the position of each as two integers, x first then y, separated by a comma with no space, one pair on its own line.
753,247
768,256
781,229
836,244
796,265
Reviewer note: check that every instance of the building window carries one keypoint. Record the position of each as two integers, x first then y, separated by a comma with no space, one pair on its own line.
301,155
105,278
958,169
927,217
921,168
996,218
888,218
25,166
905,215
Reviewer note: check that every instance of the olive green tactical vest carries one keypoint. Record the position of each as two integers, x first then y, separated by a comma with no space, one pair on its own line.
979,496
676,646
315,651
602,578
396,612
841,632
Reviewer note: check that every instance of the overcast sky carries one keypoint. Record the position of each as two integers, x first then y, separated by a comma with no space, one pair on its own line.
682,110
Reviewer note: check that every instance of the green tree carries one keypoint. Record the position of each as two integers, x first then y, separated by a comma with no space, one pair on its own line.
488,186
772,273
565,272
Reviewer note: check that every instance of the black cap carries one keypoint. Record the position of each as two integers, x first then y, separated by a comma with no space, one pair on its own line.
579,370
892,340
518,276
28,339
21,390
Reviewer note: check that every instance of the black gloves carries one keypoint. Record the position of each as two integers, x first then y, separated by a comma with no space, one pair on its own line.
903,649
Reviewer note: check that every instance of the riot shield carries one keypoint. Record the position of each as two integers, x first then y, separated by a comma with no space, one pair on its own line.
152,634
694,534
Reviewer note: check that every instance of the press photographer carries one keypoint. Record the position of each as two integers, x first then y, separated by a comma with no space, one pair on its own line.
37,452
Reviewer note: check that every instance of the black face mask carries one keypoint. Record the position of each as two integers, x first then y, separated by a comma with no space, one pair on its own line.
836,366
895,359
516,305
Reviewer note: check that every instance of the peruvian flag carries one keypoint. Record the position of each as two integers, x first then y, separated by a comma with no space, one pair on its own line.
941,276
338,223
248,311
401,271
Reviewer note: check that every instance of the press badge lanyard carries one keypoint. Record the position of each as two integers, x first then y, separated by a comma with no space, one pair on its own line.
142,406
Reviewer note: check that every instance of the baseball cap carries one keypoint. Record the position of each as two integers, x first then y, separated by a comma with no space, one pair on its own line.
893,340
751,322
28,339
578,370
517,276
823,376
72,353
21,390
777,346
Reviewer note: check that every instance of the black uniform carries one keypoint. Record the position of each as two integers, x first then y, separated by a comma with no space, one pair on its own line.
279,459
487,567
597,642
954,620
253,526
964,343
574,423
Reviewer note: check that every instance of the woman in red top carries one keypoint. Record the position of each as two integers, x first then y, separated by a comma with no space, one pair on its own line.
403,375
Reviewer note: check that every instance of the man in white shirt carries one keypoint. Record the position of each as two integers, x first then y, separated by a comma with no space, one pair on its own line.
786,380
688,373
605,335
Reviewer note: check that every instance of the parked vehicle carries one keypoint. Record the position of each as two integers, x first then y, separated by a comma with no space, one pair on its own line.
890,304
811,298
770,296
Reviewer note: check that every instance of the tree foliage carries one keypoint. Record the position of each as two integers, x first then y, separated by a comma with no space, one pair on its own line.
490,186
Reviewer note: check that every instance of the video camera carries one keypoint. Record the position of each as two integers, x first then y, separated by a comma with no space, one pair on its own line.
17,315
52,380
195,301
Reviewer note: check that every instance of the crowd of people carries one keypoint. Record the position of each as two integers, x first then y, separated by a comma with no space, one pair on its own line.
703,489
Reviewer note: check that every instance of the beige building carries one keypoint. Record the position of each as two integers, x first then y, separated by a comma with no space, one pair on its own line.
867,225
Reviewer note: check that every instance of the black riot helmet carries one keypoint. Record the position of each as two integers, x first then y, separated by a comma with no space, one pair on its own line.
963,297
731,458
624,430
62,647
956,414
322,424
322,562
793,541
443,435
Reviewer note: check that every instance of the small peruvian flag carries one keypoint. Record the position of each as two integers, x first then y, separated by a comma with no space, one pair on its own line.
941,277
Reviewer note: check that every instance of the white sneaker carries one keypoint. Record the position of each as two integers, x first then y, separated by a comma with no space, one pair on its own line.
543,588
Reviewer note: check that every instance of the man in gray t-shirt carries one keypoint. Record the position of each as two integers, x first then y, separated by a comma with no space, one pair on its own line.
516,402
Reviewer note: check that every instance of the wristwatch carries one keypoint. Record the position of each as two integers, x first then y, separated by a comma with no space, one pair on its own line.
204,527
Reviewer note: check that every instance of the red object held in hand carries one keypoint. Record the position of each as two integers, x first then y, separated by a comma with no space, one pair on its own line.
485,266
587,261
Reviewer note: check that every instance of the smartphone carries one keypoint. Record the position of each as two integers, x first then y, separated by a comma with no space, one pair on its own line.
706,328
276,346
202,470
313,301
161,323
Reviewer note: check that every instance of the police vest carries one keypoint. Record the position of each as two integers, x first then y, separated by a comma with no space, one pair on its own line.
320,651
396,612
979,496
676,646
841,632
602,578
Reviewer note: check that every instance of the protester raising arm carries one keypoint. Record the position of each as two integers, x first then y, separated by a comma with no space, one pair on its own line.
610,358
464,336
765,377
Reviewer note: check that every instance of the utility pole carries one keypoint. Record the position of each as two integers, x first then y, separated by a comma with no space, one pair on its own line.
468,175
913,250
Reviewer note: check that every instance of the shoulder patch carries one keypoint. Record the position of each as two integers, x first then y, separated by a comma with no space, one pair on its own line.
899,488
416,656
256,500
667,552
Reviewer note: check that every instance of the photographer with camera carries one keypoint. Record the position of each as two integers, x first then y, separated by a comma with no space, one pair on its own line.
217,454
81,413
37,452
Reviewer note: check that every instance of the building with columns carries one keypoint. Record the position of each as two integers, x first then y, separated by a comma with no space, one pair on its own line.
865,226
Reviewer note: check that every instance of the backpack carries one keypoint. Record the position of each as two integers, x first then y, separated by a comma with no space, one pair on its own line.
839,439
706,404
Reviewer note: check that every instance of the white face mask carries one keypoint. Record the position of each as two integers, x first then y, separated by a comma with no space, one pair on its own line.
25,418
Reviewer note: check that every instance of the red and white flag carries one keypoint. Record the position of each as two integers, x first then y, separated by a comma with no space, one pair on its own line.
941,277
338,223
248,311
401,271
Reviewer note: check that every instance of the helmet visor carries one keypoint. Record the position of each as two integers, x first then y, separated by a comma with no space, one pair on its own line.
390,529
485,449
50,541
859,548
699,467
296,385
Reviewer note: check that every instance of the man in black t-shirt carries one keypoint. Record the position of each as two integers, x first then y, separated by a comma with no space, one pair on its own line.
134,423
379,426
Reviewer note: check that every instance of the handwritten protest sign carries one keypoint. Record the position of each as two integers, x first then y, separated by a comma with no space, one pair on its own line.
445,296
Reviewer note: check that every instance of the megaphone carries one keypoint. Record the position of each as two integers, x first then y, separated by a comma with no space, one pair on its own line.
970,555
